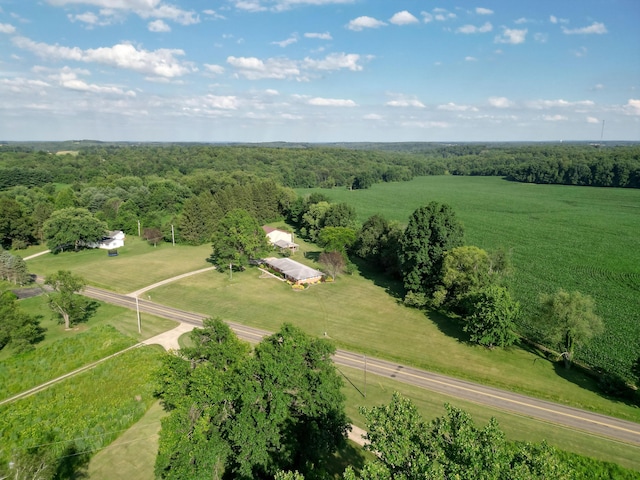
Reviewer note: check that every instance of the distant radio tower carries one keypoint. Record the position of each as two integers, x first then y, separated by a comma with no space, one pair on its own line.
602,132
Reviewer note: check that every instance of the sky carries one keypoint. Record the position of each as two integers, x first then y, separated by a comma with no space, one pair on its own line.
320,70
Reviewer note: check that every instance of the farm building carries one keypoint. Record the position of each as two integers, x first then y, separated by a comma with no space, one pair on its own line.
294,271
113,239
281,239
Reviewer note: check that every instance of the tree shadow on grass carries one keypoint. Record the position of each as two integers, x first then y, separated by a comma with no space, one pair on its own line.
73,464
315,255
349,455
391,286
607,385
450,326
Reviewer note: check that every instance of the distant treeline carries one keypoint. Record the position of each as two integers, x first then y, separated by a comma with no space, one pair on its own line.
352,166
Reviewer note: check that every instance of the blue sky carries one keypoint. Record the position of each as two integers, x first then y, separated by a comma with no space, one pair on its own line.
319,70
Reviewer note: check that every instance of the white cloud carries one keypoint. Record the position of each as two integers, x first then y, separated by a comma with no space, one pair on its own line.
331,102
592,120
469,29
559,103
250,5
160,63
483,11
213,14
214,69
512,36
361,23
555,20
68,79
253,68
632,107
541,37
158,26
281,5
500,102
581,52
452,107
319,36
555,118
221,102
287,42
419,124
24,85
401,100
595,28
143,8
372,116
442,15
470,59
335,61
7,28
403,18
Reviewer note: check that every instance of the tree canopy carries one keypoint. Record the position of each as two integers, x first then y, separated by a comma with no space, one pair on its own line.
73,228
432,230
249,416
65,301
237,239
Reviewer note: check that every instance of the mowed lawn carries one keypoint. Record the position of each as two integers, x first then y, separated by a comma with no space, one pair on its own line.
137,265
575,238
361,316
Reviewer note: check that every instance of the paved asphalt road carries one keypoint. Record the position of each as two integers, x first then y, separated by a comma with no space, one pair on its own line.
596,424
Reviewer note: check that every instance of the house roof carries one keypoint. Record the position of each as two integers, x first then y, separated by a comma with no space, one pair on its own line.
293,269
284,244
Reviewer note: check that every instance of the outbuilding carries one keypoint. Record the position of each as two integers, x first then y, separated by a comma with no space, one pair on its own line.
294,271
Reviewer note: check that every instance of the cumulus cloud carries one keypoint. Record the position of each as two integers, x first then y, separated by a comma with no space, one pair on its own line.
285,43
214,69
500,102
555,118
280,5
159,63
555,20
559,103
483,11
7,28
453,107
361,23
372,116
592,120
403,18
319,36
69,79
253,68
401,100
595,28
143,8
512,36
158,26
331,102
633,106
469,29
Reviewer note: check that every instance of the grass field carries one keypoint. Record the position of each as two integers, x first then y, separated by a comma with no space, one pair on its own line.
137,265
576,238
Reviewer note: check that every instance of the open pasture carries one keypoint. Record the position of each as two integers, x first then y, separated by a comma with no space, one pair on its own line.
575,238
137,265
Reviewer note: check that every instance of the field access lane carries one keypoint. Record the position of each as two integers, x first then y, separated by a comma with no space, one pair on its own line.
596,424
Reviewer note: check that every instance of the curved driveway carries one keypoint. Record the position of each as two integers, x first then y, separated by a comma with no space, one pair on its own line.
596,424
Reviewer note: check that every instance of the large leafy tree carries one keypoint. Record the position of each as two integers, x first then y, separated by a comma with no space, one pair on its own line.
73,227
493,318
432,230
569,320
246,416
336,239
237,239
17,329
15,225
13,269
451,446
64,300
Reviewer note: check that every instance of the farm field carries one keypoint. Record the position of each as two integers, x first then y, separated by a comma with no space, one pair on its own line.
575,238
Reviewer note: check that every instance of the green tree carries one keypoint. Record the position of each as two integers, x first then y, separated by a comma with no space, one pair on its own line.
334,262
64,301
198,219
14,224
13,269
73,227
493,317
336,239
568,320
237,239
237,415
450,446
17,329
432,230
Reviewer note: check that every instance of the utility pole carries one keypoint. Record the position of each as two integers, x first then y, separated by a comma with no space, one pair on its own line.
138,228
138,312
365,376
173,237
